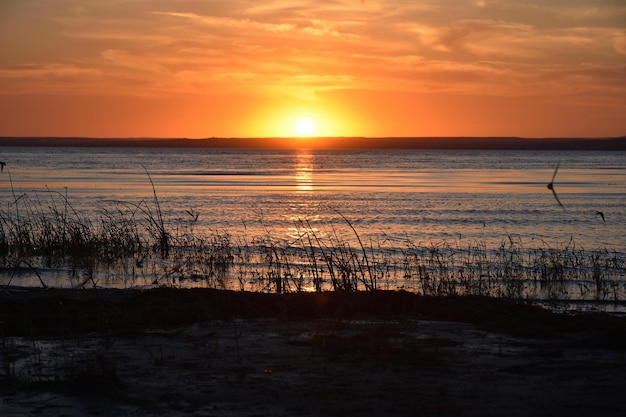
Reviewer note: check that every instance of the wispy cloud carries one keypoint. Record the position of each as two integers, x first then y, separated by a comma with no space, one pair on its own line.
300,48
167,41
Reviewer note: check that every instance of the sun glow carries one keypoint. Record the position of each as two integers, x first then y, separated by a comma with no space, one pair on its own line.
308,125
304,127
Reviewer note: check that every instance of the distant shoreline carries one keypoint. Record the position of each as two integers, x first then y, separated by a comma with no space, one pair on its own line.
460,143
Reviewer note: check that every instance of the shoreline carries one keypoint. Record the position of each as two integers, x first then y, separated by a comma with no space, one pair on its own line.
212,352
54,312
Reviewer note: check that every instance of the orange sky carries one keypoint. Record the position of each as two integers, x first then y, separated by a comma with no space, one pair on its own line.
248,68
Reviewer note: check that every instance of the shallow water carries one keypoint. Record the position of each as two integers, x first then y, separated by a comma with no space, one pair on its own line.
391,198
421,195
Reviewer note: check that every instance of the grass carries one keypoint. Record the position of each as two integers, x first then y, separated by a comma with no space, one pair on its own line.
323,272
129,244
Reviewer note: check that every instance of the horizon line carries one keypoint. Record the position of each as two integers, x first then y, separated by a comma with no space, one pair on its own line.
328,142
305,137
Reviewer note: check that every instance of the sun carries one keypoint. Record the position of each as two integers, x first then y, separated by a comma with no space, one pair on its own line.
304,127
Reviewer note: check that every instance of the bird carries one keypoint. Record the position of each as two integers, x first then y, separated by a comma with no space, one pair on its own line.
601,214
2,164
551,186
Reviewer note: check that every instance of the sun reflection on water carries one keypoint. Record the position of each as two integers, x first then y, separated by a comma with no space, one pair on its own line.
304,171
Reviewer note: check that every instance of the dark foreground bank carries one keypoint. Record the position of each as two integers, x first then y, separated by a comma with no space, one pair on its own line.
67,312
223,354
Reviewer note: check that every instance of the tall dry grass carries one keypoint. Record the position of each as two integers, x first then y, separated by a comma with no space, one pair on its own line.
132,243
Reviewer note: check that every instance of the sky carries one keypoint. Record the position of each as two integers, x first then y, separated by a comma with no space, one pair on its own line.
249,68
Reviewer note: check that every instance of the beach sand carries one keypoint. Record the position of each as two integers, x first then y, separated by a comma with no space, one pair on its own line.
359,364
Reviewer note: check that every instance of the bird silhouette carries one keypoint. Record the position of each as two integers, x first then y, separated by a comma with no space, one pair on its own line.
2,164
601,214
551,186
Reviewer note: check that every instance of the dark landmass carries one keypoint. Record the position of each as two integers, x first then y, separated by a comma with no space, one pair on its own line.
181,352
486,143
42,312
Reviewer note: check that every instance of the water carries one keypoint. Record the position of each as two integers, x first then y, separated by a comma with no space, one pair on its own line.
421,195
389,197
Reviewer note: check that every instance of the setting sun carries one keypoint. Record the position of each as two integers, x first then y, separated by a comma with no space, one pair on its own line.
305,127
315,69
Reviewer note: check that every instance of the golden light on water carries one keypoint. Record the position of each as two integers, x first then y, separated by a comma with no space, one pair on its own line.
304,172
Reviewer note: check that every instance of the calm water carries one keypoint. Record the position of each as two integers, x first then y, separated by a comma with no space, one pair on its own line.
422,196
422,215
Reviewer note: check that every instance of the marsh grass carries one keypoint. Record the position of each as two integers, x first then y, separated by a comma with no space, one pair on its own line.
131,244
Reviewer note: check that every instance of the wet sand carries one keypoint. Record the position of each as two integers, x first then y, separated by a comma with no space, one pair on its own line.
359,364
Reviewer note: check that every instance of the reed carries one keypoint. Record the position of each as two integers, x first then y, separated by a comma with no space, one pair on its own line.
136,243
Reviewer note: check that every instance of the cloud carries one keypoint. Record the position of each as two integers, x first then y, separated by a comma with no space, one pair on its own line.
66,78
302,47
619,42
230,23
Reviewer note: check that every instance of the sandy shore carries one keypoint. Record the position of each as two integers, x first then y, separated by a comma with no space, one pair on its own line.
312,366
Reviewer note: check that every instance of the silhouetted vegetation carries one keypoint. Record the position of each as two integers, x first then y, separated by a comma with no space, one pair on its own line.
136,244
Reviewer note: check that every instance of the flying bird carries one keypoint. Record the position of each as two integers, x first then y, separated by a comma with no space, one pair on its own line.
551,186
601,214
